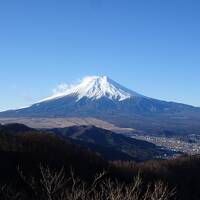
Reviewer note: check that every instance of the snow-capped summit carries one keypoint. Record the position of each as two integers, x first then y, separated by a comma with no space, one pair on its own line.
96,87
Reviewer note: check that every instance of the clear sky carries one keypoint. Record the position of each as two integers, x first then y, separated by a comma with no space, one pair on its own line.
150,46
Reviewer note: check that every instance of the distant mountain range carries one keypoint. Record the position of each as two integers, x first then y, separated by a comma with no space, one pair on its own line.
101,98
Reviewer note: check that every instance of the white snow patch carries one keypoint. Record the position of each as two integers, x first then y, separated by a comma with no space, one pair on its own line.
94,87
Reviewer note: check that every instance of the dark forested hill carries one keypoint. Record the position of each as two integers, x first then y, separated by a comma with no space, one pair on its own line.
28,149
110,145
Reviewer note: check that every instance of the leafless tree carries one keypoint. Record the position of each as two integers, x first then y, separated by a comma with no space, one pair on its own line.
54,185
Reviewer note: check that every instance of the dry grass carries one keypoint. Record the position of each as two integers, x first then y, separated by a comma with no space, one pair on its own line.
64,122
54,185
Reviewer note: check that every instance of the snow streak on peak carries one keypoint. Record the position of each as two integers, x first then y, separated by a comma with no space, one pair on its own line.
96,87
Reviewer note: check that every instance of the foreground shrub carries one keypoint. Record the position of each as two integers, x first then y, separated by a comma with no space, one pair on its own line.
54,185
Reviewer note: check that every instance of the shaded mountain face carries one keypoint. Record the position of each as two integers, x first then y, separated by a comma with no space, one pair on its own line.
110,145
104,144
15,129
103,98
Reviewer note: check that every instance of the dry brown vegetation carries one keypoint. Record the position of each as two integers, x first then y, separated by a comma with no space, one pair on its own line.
55,185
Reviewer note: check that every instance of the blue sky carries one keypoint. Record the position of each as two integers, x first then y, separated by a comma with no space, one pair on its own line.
150,46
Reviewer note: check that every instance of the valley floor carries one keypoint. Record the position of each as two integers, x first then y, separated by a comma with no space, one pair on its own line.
190,146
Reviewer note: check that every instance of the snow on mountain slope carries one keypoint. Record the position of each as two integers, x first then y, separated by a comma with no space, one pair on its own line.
96,87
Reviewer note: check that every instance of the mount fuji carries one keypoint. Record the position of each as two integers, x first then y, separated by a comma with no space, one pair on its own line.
96,87
102,98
